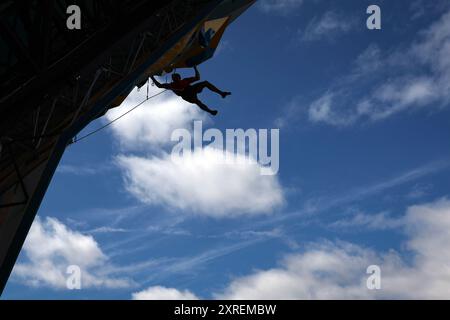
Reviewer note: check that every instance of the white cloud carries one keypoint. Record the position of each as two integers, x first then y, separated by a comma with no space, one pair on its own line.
163,293
203,183
338,271
151,124
51,247
380,86
323,272
328,25
279,6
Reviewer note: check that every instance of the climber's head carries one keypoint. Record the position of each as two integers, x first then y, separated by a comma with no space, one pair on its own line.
176,77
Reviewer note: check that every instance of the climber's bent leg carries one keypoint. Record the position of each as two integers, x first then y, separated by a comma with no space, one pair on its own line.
198,87
201,105
204,107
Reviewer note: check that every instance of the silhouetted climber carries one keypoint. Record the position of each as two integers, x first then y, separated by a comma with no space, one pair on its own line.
188,91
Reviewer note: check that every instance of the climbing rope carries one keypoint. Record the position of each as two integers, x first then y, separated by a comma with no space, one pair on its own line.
75,140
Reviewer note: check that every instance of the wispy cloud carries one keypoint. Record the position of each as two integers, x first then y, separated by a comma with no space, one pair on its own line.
378,221
279,6
105,229
84,170
419,8
187,265
252,234
327,26
419,190
317,205
89,219
417,77
377,188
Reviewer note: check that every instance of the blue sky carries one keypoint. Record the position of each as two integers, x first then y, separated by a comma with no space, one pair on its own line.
364,123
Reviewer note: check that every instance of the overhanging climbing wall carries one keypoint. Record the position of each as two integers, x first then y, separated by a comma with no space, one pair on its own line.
55,81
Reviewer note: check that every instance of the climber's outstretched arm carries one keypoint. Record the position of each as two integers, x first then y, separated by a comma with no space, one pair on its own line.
197,74
159,84
194,78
